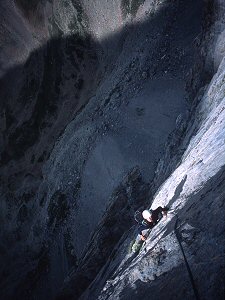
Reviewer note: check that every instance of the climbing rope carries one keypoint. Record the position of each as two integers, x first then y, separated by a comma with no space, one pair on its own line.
186,262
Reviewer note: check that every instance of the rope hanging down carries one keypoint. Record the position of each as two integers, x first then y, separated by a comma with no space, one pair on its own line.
186,262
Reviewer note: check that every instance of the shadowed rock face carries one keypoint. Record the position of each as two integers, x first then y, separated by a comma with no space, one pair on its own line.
90,90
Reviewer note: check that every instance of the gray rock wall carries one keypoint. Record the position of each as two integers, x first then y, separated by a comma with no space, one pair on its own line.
89,91
194,193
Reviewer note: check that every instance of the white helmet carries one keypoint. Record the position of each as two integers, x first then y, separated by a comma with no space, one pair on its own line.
146,214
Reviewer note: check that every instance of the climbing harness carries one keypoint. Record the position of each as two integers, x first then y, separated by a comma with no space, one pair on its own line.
186,262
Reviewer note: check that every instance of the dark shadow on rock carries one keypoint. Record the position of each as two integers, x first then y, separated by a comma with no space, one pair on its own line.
106,240
38,99
35,116
87,271
177,192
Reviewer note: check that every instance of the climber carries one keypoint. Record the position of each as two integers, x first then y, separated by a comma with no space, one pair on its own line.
151,218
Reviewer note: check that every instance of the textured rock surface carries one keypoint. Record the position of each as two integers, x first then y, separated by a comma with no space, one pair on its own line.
125,200
194,192
90,90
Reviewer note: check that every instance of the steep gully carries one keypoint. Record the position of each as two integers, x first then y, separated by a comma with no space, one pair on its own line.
119,120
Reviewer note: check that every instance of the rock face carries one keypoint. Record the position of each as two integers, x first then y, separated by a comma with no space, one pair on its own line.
125,200
108,107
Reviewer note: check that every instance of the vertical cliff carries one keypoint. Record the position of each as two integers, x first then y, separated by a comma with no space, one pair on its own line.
103,105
